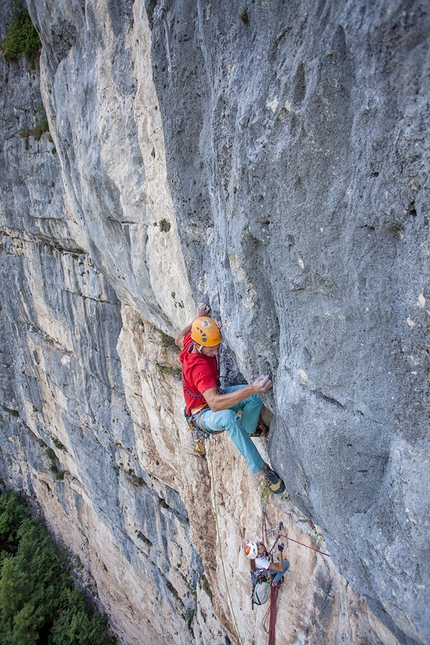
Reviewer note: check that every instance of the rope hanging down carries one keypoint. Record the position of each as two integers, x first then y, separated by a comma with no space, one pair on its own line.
273,609
271,613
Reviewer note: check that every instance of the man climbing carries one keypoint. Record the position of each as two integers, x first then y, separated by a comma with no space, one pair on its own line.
215,410
256,551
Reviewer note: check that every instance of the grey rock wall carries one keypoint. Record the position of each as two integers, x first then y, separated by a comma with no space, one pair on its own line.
279,172
67,436
298,159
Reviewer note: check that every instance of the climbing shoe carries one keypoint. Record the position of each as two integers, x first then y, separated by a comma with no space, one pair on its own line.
276,484
261,430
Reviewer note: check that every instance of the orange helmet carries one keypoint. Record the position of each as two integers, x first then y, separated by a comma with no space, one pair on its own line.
205,331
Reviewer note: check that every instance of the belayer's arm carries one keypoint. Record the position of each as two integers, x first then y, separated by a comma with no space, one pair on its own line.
280,565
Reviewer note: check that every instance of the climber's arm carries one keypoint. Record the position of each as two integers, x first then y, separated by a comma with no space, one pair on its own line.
179,340
279,566
218,402
202,310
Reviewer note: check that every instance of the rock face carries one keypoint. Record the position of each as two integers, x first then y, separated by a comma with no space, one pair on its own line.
280,172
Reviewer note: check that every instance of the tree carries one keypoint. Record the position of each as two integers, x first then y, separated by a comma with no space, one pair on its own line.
38,601
21,37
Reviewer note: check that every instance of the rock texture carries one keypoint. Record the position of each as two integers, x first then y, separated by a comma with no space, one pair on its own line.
281,173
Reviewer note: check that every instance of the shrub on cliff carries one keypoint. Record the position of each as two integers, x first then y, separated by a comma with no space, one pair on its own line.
21,37
38,601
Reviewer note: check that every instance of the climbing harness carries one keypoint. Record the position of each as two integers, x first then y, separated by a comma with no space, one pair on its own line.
198,431
162,14
220,545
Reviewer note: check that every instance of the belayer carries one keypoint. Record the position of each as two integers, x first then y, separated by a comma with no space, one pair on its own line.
256,551
216,410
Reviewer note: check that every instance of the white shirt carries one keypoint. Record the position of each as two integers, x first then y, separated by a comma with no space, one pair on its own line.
262,563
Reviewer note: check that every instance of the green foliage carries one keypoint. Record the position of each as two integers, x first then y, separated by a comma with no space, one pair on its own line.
37,131
318,536
50,454
244,16
12,514
167,369
13,413
21,37
38,601
164,225
205,586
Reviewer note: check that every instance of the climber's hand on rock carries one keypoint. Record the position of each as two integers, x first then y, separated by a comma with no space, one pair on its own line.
262,384
203,310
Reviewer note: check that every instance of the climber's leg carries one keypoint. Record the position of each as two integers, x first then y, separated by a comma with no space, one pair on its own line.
250,407
228,420
277,575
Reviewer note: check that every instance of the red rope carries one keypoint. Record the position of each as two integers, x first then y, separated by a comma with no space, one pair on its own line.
308,547
264,527
273,607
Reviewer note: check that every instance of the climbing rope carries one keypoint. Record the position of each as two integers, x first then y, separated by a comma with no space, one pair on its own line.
264,528
327,555
220,545
271,614
273,609
266,615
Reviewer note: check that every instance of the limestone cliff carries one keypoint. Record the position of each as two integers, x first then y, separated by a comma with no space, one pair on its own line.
279,172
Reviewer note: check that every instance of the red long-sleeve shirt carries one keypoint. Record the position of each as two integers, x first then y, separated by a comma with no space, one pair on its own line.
199,373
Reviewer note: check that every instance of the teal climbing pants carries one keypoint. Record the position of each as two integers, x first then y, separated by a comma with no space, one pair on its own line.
238,427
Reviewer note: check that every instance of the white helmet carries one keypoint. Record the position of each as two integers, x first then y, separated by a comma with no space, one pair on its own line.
251,550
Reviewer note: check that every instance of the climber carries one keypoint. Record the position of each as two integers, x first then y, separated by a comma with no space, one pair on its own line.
215,410
256,551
